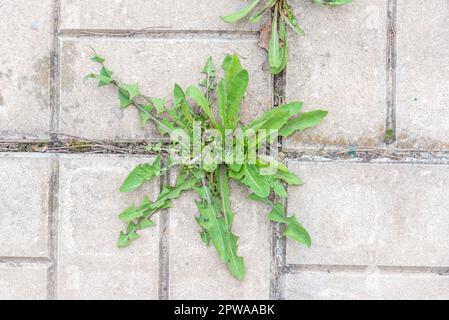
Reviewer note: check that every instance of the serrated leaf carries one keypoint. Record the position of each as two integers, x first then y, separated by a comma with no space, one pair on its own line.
209,69
144,115
294,230
146,224
131,214
130,90
105,77
180,102
220,234
124,99
223,185
140,174
159,104
123,240
205,238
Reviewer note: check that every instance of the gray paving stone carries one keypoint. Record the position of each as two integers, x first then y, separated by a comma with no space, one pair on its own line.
26,282
370,285
151,14
422,76
340,66
24,181
25,69
90,266
372,214
196,272
156,64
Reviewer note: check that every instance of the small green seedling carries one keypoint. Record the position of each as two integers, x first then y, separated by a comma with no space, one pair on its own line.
213,108
282,15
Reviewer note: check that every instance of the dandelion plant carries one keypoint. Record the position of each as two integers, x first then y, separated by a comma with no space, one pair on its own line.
282,16
209,146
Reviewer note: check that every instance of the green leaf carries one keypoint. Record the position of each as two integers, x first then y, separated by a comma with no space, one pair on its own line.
231,67
131,90
170,193
159,104
124,99
220,233
289,177
123,240
194,93
180,102
205,237
256,182
105,77
141,174
97,58
266,7
278,188
293,107
222,101
234,17
294,230
297,232
130,214
231,91
283,52
209,69
223,184
274,52
146,224
235,94
144,114
304,121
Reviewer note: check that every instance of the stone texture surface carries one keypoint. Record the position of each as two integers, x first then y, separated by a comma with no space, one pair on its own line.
24,181
340,66
422,75
372,214
168,15
370,285
196,272
26,34
23,282
379,229
90,264
93,112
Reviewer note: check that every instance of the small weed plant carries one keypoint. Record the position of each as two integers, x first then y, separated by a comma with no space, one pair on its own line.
282,16
209,147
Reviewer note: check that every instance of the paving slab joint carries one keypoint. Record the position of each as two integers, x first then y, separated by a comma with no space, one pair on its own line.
390,133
